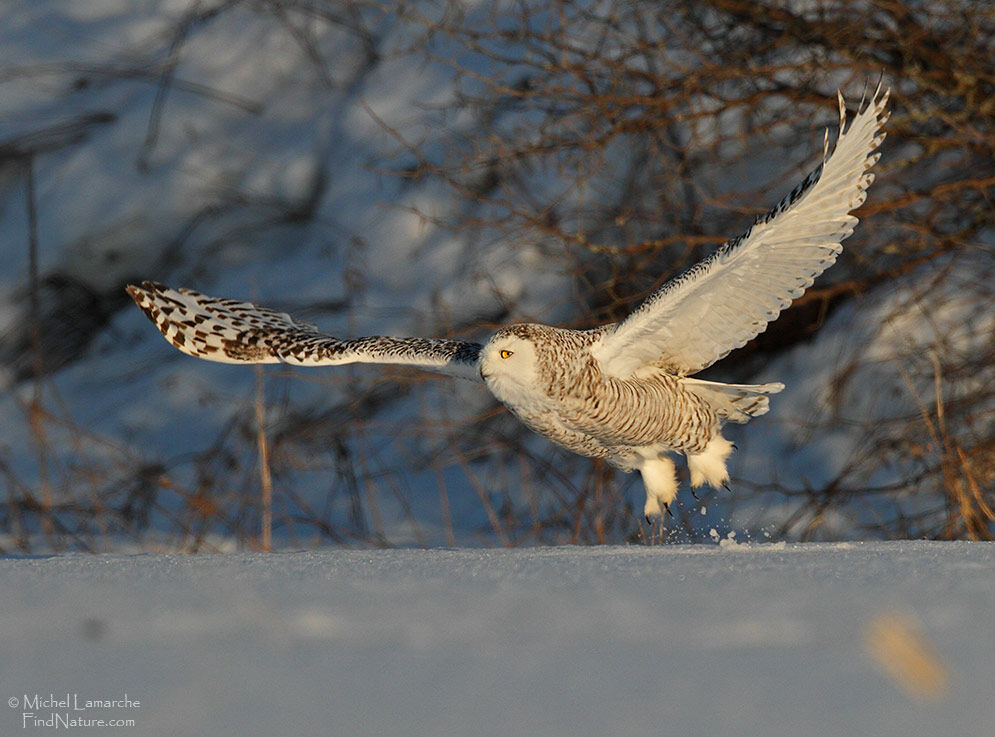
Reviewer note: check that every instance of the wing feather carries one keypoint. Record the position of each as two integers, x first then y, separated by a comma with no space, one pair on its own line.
228,331
726,300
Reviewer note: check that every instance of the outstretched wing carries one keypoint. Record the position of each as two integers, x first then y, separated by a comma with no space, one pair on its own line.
726,300
228,331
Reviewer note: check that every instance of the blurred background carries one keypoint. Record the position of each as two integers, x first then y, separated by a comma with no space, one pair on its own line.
443,168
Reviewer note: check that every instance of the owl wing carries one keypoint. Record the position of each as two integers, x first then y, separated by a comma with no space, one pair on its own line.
727,299
228,331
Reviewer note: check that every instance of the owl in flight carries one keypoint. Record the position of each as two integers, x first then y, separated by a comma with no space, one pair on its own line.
624,392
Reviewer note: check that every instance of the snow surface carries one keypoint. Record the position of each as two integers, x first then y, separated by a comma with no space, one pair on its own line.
676,640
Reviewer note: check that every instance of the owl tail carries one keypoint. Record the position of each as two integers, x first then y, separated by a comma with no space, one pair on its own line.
734,402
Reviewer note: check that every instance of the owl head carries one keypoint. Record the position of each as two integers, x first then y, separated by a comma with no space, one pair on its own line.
509,364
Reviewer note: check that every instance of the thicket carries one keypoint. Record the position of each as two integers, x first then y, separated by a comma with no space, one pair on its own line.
622,138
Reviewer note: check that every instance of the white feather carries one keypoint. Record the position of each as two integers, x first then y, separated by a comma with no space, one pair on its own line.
726,300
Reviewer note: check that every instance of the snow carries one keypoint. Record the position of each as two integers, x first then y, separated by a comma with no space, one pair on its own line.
799,639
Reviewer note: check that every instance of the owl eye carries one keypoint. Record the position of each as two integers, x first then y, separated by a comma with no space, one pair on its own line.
506,354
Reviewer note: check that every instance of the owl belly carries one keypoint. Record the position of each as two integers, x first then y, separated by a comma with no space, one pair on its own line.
652,413
623,421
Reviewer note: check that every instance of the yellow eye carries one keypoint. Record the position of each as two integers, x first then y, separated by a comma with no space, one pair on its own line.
506,354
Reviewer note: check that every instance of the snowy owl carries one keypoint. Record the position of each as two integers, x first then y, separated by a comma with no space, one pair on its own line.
622,392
